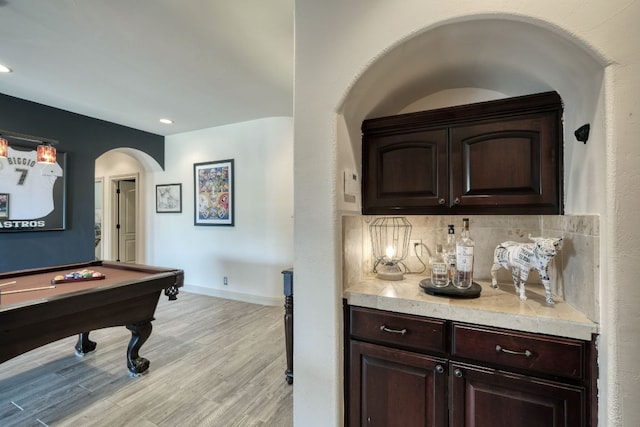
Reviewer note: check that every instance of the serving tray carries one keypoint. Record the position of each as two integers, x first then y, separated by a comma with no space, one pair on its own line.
450,291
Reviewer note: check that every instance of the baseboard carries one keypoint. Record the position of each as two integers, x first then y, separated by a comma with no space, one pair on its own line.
238,296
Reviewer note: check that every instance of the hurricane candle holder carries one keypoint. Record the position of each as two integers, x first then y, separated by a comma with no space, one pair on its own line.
390,245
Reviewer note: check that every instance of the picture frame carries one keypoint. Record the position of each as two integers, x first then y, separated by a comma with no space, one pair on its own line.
214,195
169,198
43,210
4,205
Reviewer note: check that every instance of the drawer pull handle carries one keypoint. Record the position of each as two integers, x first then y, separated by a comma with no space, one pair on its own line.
525,353
439,369
457,373
384,328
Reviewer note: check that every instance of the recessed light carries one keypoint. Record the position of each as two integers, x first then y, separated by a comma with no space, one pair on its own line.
4,69
166,121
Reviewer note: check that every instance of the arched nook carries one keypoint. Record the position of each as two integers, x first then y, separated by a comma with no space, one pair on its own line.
482,58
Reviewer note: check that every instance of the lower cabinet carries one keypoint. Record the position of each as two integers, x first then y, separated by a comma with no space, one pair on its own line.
484,397
396,388
404,370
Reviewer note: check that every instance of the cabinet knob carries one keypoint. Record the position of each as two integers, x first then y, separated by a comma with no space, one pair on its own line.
442,201
439,369
456,201
457,373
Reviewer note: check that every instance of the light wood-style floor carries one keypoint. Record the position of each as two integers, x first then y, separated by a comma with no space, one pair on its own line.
214,362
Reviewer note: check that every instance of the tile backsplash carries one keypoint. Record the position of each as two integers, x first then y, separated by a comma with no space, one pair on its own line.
574,271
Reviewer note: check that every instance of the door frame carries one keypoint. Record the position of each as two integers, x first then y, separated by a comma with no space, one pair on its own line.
99,212
113,212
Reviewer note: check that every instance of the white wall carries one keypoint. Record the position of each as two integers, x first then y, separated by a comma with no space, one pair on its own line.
252,253
337,41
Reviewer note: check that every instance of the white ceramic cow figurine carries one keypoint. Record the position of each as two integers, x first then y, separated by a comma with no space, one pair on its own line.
522,257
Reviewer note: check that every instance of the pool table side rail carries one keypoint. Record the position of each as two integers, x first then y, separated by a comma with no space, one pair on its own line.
88,264
68,292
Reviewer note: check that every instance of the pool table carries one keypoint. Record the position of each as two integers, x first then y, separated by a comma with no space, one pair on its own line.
36,310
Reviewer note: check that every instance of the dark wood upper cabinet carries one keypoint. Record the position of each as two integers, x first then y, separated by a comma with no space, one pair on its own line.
495,157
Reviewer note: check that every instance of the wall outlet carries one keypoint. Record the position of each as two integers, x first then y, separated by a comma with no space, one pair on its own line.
225,281
415,248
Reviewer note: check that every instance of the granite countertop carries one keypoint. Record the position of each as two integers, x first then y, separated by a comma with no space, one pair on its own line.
495,307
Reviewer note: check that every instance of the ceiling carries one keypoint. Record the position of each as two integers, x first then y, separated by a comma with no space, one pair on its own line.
200,63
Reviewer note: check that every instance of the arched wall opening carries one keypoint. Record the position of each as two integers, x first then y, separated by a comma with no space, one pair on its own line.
122,164
479,59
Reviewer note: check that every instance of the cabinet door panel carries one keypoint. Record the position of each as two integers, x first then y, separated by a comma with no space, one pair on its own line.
508,163
392,387
406,171
489,398
518,171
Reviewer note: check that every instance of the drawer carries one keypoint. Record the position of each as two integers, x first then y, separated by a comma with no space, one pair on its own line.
398,330
541,354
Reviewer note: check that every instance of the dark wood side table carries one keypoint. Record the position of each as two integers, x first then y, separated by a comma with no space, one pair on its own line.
288,322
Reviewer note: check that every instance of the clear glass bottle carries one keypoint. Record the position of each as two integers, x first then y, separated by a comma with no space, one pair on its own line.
464,258
450,252
439,268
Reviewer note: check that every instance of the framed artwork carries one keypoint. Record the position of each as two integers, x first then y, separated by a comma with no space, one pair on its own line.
36,191
169,198
4,206
214,195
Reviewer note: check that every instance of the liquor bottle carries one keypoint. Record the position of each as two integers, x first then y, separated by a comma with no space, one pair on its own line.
438,263
450,253
464,258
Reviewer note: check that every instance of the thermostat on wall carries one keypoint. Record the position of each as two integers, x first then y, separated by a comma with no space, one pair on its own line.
351,186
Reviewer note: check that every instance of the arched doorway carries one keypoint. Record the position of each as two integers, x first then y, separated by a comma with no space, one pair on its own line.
121,176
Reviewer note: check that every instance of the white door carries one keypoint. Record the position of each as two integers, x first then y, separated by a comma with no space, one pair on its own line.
126,220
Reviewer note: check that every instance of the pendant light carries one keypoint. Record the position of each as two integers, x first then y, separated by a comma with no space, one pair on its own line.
46,154
4,147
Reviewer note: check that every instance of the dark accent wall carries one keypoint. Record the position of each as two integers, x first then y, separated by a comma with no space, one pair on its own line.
84,139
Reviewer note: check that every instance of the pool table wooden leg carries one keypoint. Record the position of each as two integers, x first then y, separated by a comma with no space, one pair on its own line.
140,332
84,344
